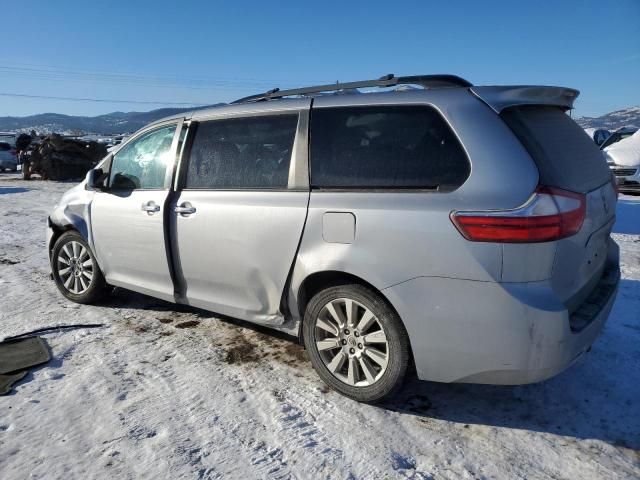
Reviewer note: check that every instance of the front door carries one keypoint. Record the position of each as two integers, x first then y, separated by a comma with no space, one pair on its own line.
238,219
127,219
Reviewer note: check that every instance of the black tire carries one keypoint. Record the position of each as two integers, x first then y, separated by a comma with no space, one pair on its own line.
397,343
96,286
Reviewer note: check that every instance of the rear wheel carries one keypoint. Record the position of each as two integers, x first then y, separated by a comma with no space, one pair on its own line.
75,269
356,342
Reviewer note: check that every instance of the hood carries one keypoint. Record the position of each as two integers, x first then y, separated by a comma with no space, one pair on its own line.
625,152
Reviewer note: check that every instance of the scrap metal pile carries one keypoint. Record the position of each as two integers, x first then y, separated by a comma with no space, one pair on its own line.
59,158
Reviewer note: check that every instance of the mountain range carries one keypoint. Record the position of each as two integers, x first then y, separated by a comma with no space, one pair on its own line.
127,122
628,117
110,123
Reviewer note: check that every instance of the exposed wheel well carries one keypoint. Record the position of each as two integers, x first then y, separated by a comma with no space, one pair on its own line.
321,280
57,232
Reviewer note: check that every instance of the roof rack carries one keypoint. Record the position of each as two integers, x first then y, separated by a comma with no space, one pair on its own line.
427,81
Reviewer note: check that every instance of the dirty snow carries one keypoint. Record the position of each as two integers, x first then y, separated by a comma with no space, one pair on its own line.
168,392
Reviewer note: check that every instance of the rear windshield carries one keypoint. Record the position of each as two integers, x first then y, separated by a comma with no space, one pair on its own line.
565,156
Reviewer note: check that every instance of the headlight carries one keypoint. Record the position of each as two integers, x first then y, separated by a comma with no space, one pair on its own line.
609,159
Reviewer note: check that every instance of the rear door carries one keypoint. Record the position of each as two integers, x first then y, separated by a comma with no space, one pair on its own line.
240,210
567,158
128,219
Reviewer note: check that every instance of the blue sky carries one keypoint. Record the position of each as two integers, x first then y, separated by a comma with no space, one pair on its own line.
207,51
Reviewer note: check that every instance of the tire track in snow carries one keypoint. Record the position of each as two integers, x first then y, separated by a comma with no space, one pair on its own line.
234,434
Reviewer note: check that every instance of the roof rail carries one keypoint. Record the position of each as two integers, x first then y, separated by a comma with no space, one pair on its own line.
427,81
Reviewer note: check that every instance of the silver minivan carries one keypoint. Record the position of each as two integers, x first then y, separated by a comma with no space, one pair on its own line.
463,230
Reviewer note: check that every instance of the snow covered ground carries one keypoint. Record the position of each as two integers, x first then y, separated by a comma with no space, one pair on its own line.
167,392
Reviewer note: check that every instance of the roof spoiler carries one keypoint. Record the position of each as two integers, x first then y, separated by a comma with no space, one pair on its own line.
501,97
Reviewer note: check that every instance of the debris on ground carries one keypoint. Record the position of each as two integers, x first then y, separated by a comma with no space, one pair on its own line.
17,357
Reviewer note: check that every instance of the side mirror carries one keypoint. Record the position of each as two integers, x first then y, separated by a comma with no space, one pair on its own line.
96,179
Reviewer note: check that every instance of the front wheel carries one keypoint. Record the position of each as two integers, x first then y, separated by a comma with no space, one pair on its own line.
75,269
356,342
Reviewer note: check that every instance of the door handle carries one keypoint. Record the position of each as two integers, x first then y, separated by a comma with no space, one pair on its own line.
150,207
185,209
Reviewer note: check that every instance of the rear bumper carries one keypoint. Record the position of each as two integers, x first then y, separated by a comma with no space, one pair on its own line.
486,332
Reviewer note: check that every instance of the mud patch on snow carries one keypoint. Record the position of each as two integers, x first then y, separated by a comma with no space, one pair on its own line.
187,324
242,351
138,327
291,353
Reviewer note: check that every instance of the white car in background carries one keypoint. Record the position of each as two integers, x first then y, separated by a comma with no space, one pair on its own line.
617,135
8,157
624,159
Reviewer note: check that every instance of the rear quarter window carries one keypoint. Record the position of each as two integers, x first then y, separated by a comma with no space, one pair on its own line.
565,156
385,147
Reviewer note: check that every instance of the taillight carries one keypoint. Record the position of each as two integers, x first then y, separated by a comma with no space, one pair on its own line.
550,214
13,152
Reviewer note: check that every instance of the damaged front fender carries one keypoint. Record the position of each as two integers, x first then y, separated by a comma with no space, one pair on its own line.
71,213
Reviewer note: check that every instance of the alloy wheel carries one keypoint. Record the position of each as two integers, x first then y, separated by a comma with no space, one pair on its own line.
351,342
75,267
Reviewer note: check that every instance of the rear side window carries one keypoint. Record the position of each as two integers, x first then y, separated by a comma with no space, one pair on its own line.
242,153
385,147
565,156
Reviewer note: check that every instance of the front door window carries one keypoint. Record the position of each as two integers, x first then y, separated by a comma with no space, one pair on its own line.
142,163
